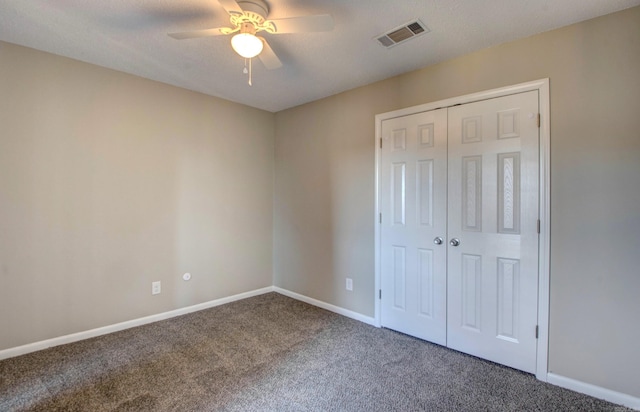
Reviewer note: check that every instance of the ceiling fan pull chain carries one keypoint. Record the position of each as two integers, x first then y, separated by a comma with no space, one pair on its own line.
245,71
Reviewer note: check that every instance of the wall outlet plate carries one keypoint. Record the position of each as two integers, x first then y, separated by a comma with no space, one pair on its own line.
349,284
156,288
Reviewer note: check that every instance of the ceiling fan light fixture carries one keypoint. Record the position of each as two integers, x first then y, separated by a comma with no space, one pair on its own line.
246,45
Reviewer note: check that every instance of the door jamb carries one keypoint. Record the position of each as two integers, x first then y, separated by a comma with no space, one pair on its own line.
542,86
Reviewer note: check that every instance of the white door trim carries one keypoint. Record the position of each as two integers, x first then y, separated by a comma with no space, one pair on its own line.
542,86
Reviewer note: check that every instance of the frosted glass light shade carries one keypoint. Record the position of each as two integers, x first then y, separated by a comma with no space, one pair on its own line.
246,45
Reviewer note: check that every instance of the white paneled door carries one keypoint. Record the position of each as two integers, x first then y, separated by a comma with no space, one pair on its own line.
493,214
477,185
414,186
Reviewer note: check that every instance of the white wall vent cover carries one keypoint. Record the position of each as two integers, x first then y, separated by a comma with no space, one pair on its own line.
403,33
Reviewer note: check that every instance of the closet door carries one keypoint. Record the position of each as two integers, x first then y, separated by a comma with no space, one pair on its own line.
492,229
413,204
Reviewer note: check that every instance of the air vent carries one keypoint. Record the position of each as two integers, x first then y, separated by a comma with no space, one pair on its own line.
403,33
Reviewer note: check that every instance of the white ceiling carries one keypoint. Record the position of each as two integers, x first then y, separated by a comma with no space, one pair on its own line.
131,36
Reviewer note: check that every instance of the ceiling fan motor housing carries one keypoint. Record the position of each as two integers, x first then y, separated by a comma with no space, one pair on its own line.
255,9
247,27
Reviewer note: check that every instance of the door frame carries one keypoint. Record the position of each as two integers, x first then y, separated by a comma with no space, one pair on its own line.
544,199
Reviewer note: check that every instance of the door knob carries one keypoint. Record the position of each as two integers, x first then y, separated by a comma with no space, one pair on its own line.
438,240
454,242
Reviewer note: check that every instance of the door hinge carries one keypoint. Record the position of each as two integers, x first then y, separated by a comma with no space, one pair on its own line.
379,293
538,226
380,218
537,331
381,143
538,120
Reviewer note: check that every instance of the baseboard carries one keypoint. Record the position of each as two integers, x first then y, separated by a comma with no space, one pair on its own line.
74,337
595,391
332,308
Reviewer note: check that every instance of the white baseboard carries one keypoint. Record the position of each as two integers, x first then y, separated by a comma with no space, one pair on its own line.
332,308
74,337
595,391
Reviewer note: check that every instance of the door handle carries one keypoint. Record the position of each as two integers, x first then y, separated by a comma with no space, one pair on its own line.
437,240
454,242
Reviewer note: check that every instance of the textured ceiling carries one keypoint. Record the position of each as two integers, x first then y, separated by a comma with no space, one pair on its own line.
131,36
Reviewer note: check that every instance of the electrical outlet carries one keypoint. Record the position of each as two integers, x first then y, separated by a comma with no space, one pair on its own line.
156,287
349,284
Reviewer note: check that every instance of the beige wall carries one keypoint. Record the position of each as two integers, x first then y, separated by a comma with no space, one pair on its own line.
324,191
109,182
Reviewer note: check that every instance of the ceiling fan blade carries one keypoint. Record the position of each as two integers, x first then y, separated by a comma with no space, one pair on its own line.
230,6
304,24
268,57
196,33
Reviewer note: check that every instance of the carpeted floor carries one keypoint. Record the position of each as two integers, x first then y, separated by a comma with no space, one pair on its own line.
270,353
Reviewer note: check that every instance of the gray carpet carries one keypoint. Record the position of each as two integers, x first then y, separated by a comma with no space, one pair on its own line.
270,353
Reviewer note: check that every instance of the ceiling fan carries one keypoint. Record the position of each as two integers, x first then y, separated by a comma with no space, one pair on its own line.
248,17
